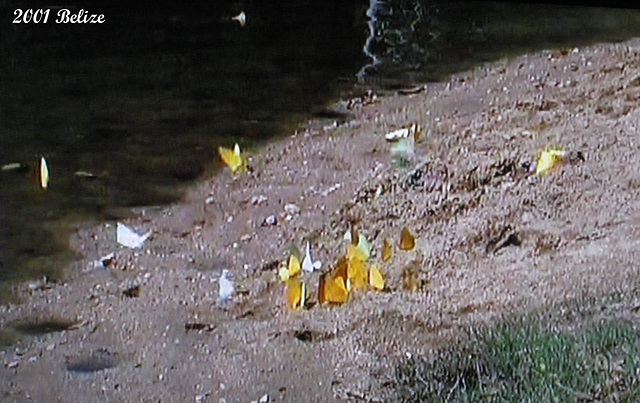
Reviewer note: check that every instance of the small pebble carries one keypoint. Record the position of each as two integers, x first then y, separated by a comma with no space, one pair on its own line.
269,221
291,209
258,200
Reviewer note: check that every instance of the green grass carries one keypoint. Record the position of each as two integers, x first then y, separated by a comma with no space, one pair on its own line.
524,360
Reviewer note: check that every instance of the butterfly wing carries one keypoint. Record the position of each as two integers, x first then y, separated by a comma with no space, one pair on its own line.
357,273
125,236
232,158
335,291
376,279
44,173
293,266
296,293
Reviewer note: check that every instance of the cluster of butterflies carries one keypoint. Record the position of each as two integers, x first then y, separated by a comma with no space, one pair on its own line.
352,272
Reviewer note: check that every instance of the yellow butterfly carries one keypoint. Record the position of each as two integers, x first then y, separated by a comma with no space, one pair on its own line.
233,159
360,241
376,279
549,159
357,273
332,290
296,293
44,173
292,269
354,252
407,240
387,250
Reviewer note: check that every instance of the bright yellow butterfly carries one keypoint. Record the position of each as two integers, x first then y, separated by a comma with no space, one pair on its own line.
296,293
357,273
548,160
332,290
233,159
292,269
354,252
376,279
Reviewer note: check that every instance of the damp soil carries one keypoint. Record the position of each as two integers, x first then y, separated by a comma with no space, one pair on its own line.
493,240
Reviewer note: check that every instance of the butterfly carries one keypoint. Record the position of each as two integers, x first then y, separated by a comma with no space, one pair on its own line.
376,279
357,273
407,240
44,173
353,252
291,269
241,18
549,159
232,158
296,293
360,242
402,144
125,236
332,290
404,133
387,250
308,264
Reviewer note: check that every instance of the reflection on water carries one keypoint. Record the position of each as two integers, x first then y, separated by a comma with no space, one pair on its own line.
128,112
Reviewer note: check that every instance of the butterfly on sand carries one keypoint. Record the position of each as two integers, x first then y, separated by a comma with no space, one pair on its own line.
233,159
296,293
407,240
332,290
291,269
376,279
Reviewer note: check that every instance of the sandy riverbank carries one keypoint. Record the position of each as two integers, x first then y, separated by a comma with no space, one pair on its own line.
576,230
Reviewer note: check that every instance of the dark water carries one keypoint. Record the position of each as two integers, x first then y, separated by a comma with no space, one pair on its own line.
143,101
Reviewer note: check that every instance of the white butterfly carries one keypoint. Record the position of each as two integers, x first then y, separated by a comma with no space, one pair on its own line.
227,288
241,18
397,135
125,236
44,173
308,264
